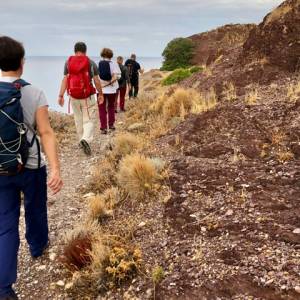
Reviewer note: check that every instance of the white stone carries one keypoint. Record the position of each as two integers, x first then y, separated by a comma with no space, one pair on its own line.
88,195
297,289
52,256
60,283
297,231
41,268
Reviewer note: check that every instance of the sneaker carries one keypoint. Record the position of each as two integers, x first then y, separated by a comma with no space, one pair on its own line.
112,128
103,131
11,296
86,147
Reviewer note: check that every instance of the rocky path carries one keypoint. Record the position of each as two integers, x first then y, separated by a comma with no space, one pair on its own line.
43,278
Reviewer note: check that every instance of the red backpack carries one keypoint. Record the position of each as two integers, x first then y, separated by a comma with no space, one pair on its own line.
79,79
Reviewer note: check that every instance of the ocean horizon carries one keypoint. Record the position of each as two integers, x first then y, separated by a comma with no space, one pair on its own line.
46,73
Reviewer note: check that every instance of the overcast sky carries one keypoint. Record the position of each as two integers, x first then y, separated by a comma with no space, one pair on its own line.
50,27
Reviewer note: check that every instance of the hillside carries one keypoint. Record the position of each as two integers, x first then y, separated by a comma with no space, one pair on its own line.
212,45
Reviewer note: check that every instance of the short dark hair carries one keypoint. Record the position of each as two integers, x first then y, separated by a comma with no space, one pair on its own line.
11,54
107,53
80,47
133,56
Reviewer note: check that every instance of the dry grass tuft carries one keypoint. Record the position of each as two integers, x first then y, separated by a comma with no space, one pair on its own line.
98,209
180,100
125,144
251,97
137,176
284,155
229,92
293,92
78,244
103,176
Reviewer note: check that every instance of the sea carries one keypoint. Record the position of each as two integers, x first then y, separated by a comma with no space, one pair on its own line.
47,72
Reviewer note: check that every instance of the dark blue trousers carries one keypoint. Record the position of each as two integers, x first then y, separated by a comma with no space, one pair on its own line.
33,185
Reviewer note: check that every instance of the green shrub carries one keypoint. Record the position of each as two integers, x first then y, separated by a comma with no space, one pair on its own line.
176,76
196,69
178,54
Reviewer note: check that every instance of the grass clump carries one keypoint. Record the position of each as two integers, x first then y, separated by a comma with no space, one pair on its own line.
293,92
78,244
103,176
98,208
137,176
125,144
229,92
176,76
251,97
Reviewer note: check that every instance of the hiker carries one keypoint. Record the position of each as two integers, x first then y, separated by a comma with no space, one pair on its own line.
134,70
123,82
23,113
79,74
109,73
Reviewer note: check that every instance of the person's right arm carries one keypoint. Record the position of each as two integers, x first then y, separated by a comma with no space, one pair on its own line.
62,90
48,140
98,86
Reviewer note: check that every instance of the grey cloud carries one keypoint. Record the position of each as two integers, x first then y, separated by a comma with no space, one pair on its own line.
50,27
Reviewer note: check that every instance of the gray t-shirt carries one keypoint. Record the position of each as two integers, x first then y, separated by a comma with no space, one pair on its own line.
32,99
93,69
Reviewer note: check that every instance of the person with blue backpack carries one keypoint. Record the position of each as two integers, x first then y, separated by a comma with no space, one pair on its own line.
23,116
109,73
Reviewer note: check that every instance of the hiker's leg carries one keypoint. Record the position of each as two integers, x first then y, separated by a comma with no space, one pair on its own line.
131,88
35,202
76,107
118,95
89,110
122,97
136,88
111,109
9,232
103,113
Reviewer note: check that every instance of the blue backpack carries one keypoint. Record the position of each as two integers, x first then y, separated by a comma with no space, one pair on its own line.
14,147
104,70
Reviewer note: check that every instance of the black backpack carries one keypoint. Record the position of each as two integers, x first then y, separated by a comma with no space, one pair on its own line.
104,70
14,147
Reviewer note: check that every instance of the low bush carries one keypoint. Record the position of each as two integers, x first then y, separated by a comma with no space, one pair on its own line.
176,76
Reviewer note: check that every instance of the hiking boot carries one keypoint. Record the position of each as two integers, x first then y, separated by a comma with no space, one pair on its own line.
112,128
11,296
103,131
86,147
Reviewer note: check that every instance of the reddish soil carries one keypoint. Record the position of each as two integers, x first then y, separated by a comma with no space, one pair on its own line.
234,206
211,45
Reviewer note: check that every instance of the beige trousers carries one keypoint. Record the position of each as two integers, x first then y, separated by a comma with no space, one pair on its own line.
84,115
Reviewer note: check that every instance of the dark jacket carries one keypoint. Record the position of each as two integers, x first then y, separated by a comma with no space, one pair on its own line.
124,80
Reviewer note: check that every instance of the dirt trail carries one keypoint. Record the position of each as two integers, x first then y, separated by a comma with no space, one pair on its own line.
40,278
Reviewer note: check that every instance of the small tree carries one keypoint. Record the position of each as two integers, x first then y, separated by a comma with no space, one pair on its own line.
178,54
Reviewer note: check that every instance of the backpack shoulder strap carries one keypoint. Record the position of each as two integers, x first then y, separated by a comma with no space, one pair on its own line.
21,83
